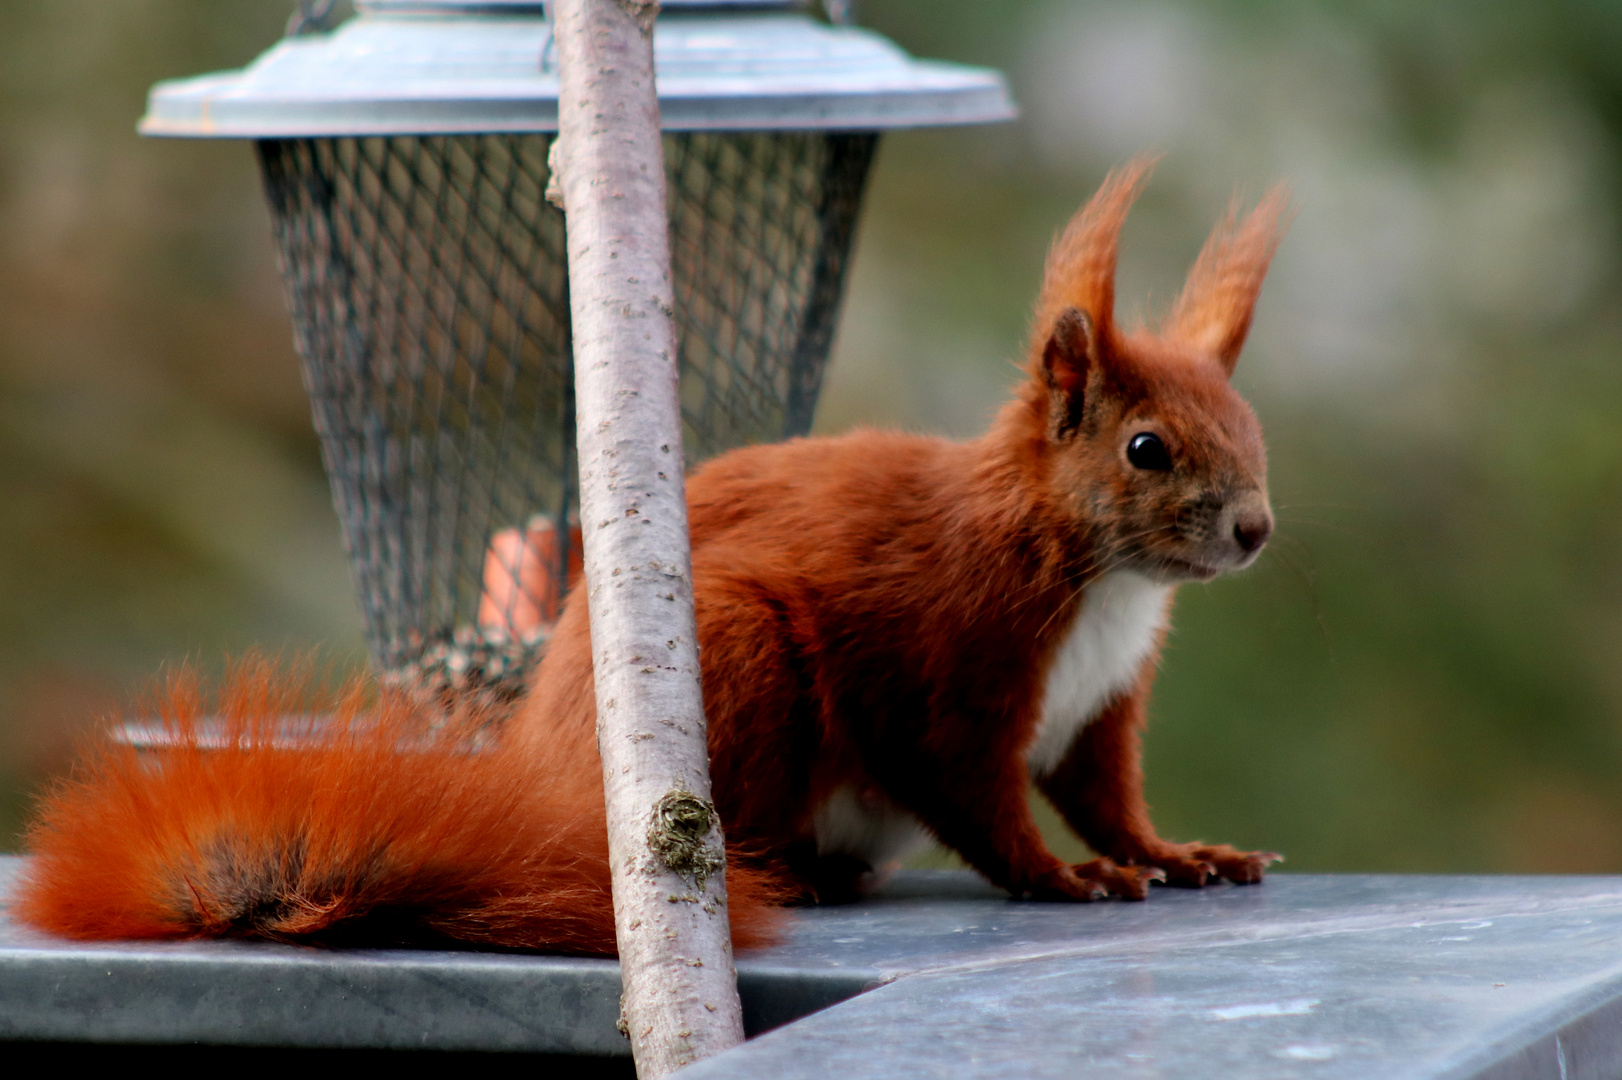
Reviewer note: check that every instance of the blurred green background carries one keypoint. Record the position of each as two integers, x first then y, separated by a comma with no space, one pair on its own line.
1423,673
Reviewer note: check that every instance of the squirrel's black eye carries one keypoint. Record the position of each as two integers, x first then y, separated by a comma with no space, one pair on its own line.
1146,451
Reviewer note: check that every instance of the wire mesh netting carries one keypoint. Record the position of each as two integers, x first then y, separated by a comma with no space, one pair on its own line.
428,283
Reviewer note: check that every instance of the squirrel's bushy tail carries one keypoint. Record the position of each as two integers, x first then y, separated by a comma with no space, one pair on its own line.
381,824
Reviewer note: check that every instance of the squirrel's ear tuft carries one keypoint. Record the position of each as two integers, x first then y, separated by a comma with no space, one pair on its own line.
1080,273
1214,311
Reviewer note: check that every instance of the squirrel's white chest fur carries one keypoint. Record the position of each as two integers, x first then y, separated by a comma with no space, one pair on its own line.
1101,655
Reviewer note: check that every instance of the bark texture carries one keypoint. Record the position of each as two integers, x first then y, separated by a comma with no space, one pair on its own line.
680,999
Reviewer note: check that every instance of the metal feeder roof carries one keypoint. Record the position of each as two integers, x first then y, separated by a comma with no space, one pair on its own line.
418,67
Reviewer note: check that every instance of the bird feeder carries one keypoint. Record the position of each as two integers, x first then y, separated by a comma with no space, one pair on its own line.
404,157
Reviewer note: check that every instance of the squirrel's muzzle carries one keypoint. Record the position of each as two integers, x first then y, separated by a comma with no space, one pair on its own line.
1246,523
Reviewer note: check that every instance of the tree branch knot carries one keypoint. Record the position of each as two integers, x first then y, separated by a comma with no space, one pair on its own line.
642,12
679,835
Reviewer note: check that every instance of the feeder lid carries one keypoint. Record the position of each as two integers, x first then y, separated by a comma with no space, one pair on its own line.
421,67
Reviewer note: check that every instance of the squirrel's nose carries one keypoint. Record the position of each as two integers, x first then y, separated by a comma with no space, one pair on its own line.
1250,531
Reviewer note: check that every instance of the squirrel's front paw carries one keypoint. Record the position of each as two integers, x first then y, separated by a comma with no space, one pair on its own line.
1063,883
1095,880
1127,882
1190,866
1243,867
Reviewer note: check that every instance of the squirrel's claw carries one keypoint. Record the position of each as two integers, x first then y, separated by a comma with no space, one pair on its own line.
1127,882
1187,873
1192,866
1247,867
1063,883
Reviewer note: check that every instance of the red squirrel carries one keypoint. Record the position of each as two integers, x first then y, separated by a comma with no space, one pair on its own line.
898,635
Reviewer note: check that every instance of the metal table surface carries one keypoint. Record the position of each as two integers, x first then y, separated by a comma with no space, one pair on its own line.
1305,976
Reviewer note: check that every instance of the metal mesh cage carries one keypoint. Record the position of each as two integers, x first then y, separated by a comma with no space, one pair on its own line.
428,284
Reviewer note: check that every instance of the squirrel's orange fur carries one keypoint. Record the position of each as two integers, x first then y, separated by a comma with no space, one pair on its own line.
882,618
383,825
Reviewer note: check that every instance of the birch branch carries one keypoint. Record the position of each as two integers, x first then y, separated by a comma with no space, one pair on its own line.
680,1000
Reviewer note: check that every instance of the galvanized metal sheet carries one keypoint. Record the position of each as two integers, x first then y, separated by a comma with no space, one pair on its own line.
1342,977
387,72
1335,977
